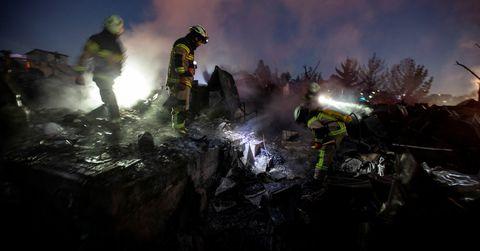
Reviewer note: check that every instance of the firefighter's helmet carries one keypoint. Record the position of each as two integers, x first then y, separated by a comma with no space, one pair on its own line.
301,114
199,31
314,87
114,24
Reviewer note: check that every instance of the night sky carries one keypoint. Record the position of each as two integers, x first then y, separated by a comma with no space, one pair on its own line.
287,34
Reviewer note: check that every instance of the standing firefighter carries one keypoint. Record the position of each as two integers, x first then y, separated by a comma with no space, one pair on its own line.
108,56
181,70
329,130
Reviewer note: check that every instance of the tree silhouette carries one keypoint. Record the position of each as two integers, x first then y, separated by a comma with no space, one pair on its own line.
409,81
263,71
348,73
373,76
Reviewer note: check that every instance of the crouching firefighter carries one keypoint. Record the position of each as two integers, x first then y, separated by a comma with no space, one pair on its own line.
180,74
329,129
107,55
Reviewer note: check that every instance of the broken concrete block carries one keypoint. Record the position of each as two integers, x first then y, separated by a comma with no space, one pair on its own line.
254,146
248,158
262,164
277,174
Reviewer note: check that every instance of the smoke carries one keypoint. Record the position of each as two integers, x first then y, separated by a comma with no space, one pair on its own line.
241,32
286,33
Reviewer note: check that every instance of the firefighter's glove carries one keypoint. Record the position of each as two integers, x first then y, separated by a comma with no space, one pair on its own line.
191,70
316,145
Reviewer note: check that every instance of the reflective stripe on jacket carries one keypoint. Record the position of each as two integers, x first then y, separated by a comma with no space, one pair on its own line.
180,68
325,121
108,54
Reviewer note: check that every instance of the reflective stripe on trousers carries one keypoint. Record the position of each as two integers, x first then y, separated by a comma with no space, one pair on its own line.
321,158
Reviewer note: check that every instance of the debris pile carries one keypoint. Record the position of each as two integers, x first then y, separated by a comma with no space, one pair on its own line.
78,180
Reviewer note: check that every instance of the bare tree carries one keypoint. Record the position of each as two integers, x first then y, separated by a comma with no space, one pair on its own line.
373,76
310,74
263,71
409,81
348,73
474,74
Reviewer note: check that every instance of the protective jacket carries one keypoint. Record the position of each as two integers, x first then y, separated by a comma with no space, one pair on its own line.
181,68
328,125
108,55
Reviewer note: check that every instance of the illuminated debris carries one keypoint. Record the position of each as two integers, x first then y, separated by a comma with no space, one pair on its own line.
248,159
351,165
278,173
363,167
222,126
251,148
452,178
463,189
263,163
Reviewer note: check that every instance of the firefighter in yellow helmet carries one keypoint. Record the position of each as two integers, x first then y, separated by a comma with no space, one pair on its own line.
107,55
329,129
181,70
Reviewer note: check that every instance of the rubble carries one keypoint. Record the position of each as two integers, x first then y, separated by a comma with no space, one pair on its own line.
139,182
290,135
145,142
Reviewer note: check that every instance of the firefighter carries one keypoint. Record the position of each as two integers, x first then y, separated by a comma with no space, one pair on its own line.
13,117
108,56
180,74
329,129
310,98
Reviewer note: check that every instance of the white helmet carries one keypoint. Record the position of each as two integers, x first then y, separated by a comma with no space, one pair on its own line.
199,31
114,24
314,87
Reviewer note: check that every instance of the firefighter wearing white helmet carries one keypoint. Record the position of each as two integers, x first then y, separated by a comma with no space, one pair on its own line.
180,74
107,53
